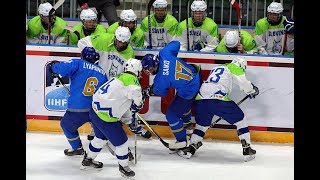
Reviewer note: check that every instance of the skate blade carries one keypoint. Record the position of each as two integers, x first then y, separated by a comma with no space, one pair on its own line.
249,157
182,154
89,168
126,177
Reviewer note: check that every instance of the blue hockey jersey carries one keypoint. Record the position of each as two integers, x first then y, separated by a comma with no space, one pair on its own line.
174,72
85,77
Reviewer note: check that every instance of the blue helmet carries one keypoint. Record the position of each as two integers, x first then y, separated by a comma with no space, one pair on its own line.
90,54
149,61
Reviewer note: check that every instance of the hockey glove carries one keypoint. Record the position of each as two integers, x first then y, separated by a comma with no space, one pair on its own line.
53,74
135,108
255,93
147,92
288,24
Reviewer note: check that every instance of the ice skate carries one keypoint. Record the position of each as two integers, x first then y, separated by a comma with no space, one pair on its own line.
126,171
187,152
89,163
71,152
248,152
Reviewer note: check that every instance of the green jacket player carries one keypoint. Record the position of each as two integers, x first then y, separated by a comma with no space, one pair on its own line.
203,31
162,26
270,31
114,49
87,27
38,27
129,19
232,43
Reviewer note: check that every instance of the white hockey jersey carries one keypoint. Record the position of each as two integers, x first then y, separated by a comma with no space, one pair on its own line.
220,82
114,98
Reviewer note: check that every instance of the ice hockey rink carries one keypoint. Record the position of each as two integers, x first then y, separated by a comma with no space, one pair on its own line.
215,160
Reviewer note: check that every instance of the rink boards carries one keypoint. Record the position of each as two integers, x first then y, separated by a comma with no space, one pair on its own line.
270,116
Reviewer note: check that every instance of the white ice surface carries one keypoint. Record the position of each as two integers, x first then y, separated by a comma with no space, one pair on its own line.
215,160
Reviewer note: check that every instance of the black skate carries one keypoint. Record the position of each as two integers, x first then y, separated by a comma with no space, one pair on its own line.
188,126
126,171
248,152
71,152
187,152
89,163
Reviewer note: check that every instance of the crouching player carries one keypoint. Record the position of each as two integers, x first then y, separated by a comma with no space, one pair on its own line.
118,98
214,99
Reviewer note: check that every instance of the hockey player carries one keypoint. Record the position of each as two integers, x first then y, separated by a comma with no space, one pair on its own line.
39,27
129,19
114,50
232,43
86,77
87,26
214,99
119,98
171,71
163,26
203,31
270,32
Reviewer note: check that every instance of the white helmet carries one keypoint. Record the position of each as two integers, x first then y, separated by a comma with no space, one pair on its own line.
128,15
133,65
241,62
160,4
123,34
275,7
231,38
44,9
88,14
198,6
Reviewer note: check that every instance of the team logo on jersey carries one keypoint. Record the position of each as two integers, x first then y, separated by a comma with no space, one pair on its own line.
56,96
277,46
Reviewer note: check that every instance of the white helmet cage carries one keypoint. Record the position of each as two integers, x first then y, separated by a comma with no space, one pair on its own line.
133,65
44,9
241,62
231,38
123,34
88,14
275,7
160,4
128,15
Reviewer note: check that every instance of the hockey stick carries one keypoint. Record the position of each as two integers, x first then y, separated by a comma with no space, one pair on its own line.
170,146
52,10
241,101
149,23
238,9
60,80
187,24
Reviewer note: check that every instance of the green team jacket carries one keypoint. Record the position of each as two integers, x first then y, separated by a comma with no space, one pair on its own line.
136,38
37,34
73,39
161,33
246,40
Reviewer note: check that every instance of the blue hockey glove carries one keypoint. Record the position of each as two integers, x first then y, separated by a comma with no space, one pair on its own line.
53,74
135,108
255,93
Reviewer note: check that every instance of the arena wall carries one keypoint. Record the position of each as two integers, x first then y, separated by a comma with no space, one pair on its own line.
270,115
